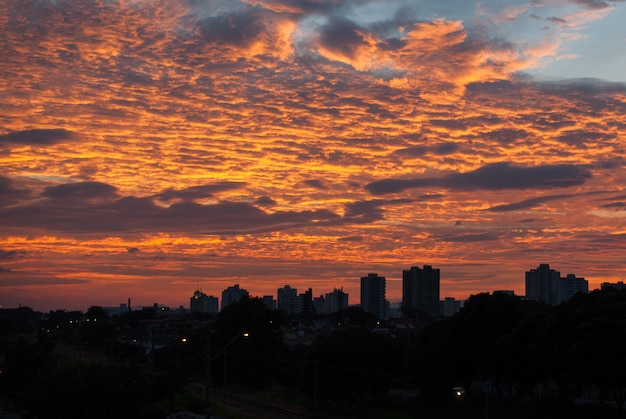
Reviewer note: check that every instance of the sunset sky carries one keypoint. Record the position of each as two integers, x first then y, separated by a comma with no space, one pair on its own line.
150,147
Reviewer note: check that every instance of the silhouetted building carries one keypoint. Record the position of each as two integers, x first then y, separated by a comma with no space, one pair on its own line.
613,285
116,311
269,302
570,286
232,294
202,303
420,291
335,301
319,305
288,300
450,306
373,295
542,284
305,301
546,284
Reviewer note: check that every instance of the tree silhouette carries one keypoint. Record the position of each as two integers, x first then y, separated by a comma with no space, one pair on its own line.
252,361
590,343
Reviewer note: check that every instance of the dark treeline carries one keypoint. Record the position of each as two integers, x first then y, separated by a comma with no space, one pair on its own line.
505,357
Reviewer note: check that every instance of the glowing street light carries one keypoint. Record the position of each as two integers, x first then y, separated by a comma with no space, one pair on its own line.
208,359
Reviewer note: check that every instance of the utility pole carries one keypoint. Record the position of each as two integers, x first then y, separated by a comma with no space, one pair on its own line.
207,384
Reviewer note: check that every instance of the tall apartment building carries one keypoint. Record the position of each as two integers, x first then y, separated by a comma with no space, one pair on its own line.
571,285
335,301
288,300
420,291
319,304
542,284
450,306
546,284
232,294
202,303
373,295
306,302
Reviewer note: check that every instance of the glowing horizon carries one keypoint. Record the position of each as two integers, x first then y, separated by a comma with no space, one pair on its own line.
149,147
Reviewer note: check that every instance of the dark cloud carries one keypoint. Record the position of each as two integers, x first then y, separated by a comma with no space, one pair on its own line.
504,176
365,211
444,149
370,211
506,135
618,202
556,20
4,270
80,191
587,4
596,4
451,124
610,163
580,137
197,192
533,202
430,197
11,254
617,205
299,7
74,209
342,36
236,29
495,176
38,137
8,193
132,249
352,239
588,87
468,237
619,197
386,186
265,201
316,183
529,220
528,203
441,149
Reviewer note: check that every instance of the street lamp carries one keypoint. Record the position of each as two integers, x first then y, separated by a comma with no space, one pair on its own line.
208,359
459,392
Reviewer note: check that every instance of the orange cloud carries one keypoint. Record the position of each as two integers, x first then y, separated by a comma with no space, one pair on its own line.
236,143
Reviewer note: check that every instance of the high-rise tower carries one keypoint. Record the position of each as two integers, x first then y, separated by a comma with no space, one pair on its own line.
232,294
546,284
420,291
373,295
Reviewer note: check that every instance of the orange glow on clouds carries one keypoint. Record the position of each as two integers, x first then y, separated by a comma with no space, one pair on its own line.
151,147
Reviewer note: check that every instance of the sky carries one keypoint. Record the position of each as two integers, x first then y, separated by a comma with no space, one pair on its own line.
149,148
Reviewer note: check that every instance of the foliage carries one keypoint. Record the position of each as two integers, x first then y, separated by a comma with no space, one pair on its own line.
351,363
252,361
17,320
48,379
95,313
590,336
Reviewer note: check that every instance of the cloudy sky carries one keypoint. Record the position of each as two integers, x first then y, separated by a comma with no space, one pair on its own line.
149,147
